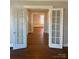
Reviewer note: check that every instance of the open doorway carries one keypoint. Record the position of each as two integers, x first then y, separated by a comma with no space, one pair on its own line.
38,22
37,35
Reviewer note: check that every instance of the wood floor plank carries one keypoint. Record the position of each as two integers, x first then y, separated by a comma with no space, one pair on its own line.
38,48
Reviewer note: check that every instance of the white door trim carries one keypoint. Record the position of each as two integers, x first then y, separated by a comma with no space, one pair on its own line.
35,7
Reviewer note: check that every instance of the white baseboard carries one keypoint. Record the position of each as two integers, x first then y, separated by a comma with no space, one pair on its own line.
65,45
11,44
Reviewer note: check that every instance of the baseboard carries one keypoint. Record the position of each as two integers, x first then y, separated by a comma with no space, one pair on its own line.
11,44
30,32
65,45
45,32
38,27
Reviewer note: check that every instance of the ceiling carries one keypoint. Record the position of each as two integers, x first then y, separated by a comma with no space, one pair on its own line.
22,3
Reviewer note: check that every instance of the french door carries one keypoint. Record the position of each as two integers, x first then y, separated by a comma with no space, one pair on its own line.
56,28
20,29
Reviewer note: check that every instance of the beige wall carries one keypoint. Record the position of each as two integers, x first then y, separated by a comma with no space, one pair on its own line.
55,4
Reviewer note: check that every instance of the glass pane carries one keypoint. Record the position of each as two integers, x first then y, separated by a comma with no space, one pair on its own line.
53,33
58,12
58,19
20,30
53,40
53,20
57,34
19,41
57,41
54,13
57,27
53,26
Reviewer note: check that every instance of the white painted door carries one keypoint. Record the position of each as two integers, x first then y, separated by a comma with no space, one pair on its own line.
20,27
56,28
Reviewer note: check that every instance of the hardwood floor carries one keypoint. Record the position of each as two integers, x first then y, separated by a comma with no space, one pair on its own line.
38,48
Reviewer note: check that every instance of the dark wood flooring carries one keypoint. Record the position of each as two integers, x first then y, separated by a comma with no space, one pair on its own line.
38,48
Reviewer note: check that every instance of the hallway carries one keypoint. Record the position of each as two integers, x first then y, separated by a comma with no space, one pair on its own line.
38,48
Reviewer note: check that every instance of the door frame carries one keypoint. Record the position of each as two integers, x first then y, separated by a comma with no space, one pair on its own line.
33,19
37,7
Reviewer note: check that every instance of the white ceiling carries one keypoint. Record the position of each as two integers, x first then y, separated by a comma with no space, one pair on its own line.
39,0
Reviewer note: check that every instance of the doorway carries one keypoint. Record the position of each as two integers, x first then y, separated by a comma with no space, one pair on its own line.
37,37
38,22
54,26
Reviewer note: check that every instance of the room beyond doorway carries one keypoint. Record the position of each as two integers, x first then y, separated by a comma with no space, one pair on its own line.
38,22
38,18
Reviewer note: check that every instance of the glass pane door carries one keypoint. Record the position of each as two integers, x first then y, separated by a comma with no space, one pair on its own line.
56,28
20,41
